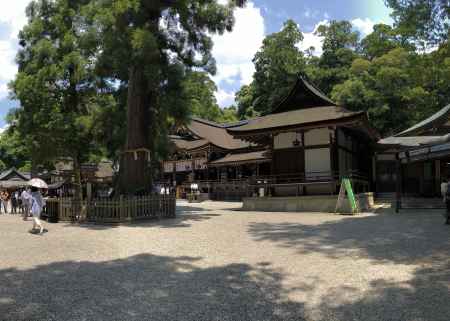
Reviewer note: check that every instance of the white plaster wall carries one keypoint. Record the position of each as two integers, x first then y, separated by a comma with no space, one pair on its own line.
319,136
317,160
284,140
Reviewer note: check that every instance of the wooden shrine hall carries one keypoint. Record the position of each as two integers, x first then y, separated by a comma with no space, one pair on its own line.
413,163
303,148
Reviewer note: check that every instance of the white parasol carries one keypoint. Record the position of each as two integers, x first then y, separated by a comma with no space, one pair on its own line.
37,182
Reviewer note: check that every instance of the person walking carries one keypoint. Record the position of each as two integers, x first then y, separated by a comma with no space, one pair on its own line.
4,201
25,196
37,205
19,200
14,202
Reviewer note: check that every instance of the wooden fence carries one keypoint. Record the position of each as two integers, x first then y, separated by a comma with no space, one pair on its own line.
111,210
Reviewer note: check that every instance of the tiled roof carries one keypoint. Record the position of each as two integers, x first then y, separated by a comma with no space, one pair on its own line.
294,118
216,134
252,157
437,119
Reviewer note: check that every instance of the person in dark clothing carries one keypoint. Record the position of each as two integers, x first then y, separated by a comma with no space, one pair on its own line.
14,202
447,203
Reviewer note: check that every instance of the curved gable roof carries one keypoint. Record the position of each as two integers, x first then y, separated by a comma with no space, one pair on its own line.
303,95
13,174
216,134
435,120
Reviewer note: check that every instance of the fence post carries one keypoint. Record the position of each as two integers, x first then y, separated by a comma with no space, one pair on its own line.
121,208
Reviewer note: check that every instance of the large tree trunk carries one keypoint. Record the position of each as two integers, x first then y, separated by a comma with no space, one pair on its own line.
134,165
78,191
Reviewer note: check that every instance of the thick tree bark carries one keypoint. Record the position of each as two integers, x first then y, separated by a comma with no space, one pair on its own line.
134,174
78,192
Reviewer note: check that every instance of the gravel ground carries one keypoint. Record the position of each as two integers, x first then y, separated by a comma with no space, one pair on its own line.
217,263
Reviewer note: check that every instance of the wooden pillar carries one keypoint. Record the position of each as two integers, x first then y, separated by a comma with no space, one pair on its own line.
374,173
398,193
438,179
89,191
272,163
174,174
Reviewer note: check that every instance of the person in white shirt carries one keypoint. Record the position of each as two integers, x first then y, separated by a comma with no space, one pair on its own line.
25,196
37,205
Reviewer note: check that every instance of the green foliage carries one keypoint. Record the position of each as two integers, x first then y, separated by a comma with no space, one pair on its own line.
339,51
382,74
423,21
56,85
13,152
277,64
244,99
199,94
151,47
228,115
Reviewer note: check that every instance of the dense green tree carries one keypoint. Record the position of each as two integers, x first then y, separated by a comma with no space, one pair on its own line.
228,115
382,40
425,21
277,64
339,51
13,152
56,85
199,92
244,99
389,88
148,45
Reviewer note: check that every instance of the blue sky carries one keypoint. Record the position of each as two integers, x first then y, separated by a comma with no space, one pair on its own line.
233,51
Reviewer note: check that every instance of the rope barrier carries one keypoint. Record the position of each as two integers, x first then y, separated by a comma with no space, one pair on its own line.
136,150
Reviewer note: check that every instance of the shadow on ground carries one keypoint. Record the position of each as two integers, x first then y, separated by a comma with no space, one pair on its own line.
145,287
399,238
409,238
425,297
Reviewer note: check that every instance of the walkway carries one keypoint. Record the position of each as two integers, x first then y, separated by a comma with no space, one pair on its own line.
217,263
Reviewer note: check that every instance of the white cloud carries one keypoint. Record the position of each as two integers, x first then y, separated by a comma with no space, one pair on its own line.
224,98
8,66
234,51
12,16
2,129
3,90
310,39
365,26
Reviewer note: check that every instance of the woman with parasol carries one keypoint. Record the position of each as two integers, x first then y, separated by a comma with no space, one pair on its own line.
37,202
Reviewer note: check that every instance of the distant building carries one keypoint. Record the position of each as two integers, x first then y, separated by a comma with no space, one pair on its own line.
12,179
415,161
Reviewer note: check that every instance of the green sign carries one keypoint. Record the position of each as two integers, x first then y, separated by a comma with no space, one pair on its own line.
350,194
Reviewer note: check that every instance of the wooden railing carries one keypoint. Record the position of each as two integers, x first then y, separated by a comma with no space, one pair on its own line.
111,210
